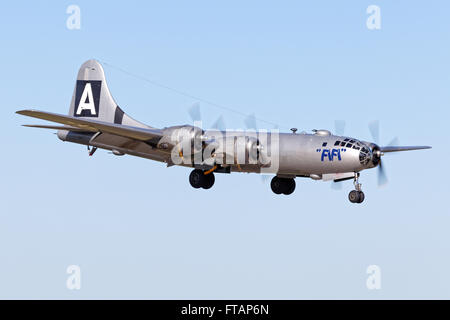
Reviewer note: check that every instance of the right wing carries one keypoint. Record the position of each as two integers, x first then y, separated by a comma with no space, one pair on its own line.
143,134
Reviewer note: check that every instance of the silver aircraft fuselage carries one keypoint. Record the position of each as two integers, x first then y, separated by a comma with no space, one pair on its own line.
306,154
299,154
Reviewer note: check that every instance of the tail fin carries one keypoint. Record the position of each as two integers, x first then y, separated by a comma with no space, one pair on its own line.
92,99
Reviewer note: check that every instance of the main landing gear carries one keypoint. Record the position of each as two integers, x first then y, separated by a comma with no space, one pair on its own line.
201,179
282,185
356,196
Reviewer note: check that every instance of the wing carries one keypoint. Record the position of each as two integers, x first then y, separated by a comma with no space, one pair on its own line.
142,134
68,128
408,148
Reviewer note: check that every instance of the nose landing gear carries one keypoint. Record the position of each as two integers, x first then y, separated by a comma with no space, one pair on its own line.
198,179
356,196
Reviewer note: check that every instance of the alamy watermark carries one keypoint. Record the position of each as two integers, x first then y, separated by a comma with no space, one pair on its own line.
373,22
73,281
190,145
373,281
73,22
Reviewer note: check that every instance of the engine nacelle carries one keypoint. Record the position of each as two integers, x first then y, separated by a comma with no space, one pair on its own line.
182,136
246,150
194,146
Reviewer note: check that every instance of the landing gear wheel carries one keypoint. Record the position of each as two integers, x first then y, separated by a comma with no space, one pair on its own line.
208,180
361,197
282,185
196,178
276,185
289,187
356,196
353,196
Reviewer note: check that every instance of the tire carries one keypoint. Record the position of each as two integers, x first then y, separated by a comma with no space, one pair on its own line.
208,181
196,178
361,197
353,196
289,186
276,185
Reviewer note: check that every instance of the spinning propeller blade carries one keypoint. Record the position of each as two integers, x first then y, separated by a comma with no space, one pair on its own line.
194,112
374,127
250,122
339,127
382,178
378,152
219,124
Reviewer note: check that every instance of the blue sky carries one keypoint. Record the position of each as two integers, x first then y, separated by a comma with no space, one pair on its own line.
138,230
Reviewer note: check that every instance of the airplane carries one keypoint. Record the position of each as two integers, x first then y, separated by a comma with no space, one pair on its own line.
95,120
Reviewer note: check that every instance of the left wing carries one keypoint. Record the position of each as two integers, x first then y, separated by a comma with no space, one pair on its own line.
143,134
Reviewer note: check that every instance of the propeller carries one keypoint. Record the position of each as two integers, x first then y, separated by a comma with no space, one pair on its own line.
374,127
339,127
265,177
382,178
194,112
219,124
196,116
250,122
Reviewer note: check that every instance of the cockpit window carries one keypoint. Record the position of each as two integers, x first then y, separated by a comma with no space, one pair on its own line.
364,155
324,144
349,143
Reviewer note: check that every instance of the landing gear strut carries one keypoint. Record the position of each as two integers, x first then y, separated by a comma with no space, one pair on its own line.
356,196
282,185
198,179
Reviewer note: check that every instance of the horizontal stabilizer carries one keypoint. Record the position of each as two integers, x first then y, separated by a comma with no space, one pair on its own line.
143,134
408,148
55,127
